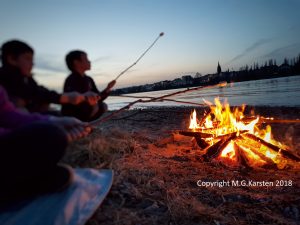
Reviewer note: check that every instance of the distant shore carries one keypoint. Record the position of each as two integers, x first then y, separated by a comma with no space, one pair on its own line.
266,92
246,73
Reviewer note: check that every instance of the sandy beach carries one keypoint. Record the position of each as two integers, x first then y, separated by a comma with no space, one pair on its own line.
159,178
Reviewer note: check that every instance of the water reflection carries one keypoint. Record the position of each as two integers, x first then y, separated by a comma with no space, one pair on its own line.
284,91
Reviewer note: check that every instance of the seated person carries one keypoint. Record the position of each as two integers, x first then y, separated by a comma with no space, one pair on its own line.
78,63
22,89
31,145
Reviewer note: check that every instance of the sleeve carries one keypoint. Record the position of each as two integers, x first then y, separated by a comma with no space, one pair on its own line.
11,117
46,95
94,87
103,94
40,93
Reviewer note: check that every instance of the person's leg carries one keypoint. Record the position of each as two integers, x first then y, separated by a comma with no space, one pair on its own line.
29,155
85,112
102,108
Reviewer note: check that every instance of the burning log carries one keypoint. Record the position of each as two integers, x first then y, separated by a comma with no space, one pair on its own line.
229,136
196,134
268,161
283,152
198,137
241,157
204,117
215,150
201,143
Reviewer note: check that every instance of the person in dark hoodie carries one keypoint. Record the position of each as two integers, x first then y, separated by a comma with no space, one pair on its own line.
31,146
23,90
78,63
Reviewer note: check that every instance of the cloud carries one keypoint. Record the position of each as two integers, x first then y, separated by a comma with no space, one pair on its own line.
51,63
101,59
251,48
285,51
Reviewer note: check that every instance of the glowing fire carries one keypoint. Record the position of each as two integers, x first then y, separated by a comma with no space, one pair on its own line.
241,140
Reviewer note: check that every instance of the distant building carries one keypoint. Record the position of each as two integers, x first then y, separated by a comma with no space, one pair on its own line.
164,83
198,75
187,79
177,82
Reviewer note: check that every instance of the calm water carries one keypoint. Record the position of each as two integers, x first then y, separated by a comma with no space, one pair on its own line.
284,91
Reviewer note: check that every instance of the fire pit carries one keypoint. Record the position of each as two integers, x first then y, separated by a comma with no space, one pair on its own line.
228,136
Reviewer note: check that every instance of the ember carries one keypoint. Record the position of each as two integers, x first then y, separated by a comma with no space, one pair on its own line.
228,136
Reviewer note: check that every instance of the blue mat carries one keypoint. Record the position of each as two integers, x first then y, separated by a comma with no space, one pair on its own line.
73,206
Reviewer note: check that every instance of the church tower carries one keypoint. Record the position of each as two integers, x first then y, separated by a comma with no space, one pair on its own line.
219,70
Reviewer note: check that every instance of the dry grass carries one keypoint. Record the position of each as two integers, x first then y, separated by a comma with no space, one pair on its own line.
156,174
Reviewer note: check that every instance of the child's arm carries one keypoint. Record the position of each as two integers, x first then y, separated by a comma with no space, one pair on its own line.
73,127
11,117
105,93
73,98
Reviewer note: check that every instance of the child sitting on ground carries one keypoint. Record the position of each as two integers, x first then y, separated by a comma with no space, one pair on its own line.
78,63
23,90
31,146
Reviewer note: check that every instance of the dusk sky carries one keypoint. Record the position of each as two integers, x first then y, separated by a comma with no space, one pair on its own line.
114,33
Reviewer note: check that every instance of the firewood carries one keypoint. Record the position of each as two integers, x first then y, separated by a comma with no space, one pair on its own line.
201,143
241,157
283,152
261,155
215,150
196,134
204,117
229,134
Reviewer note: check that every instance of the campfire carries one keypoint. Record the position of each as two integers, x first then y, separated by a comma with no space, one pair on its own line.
229,137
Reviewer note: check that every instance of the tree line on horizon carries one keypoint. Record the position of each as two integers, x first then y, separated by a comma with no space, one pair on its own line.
269,69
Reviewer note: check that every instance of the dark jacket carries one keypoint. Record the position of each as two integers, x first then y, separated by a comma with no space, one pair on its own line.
81,84
25,89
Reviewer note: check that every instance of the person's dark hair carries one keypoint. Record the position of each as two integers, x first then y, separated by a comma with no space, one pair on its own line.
14,48
72,56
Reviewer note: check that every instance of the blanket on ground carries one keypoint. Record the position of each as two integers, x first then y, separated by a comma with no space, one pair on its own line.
73,206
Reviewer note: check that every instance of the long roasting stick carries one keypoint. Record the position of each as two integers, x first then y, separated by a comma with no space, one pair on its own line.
101,120
113,82
124,71
270,120
165,99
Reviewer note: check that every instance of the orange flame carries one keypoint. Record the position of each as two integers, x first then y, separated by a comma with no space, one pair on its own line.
194,122
222,120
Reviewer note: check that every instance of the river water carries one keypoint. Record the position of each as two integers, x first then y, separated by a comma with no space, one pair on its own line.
283,91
